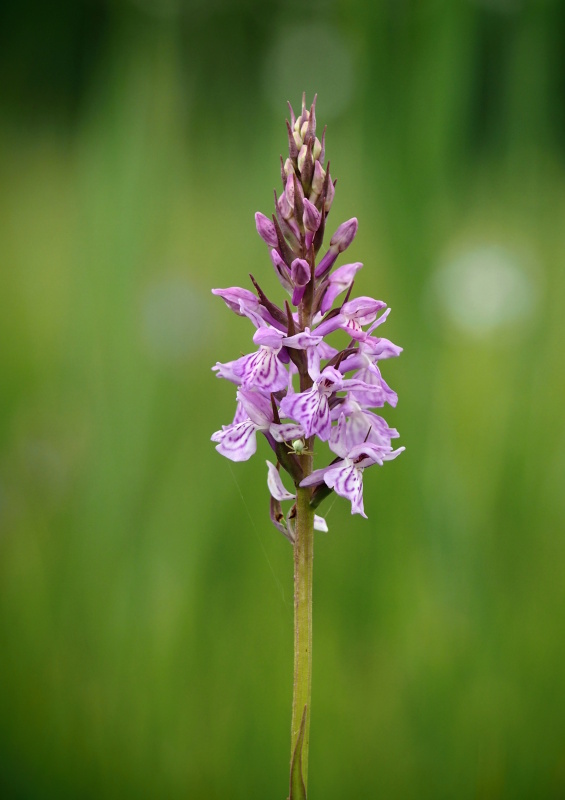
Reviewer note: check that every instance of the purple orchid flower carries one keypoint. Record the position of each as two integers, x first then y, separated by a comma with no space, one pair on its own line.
311,408
238,441
346,477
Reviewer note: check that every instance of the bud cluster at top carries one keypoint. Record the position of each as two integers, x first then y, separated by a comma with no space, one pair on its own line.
295,386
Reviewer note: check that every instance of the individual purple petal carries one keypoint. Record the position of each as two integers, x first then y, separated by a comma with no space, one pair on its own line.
240,413
379,321
255,316
366,454
358,426
313,356
393,454
300,341
234,297
339,281
261,370
347,481
275,484
329,325
375,392
355,361
286,431
339,437
380,348
317,477
269,337
227,371
320,524
266,229
380,429
257,406
237,442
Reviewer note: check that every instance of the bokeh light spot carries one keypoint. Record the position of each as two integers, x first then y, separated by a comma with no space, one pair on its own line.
484,289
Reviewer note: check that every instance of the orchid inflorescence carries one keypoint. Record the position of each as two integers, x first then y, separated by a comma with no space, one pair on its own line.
335,390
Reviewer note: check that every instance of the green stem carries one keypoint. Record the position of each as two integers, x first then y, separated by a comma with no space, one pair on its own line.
303,563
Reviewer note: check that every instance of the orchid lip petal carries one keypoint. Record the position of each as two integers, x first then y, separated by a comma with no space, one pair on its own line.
237,442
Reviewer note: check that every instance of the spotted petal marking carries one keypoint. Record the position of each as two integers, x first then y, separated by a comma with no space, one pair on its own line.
312,411
261,370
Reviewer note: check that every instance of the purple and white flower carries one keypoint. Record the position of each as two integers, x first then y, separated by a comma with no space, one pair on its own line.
295,385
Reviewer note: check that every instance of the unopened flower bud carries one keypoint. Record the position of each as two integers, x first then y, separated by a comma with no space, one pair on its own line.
316,149
288,167
266,229
318,179
330,192
312,216
303,129
297,140
300,274
302,157
284,206
344,235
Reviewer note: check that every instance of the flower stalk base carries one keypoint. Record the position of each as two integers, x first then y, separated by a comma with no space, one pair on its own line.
303,571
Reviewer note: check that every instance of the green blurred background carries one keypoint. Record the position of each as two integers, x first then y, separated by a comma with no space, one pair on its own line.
145,600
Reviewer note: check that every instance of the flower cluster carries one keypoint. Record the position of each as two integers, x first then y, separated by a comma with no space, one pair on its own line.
295,386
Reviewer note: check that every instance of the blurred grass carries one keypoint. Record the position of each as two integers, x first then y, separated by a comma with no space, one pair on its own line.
146,603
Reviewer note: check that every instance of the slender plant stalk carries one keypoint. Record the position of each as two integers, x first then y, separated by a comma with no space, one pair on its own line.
303,564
